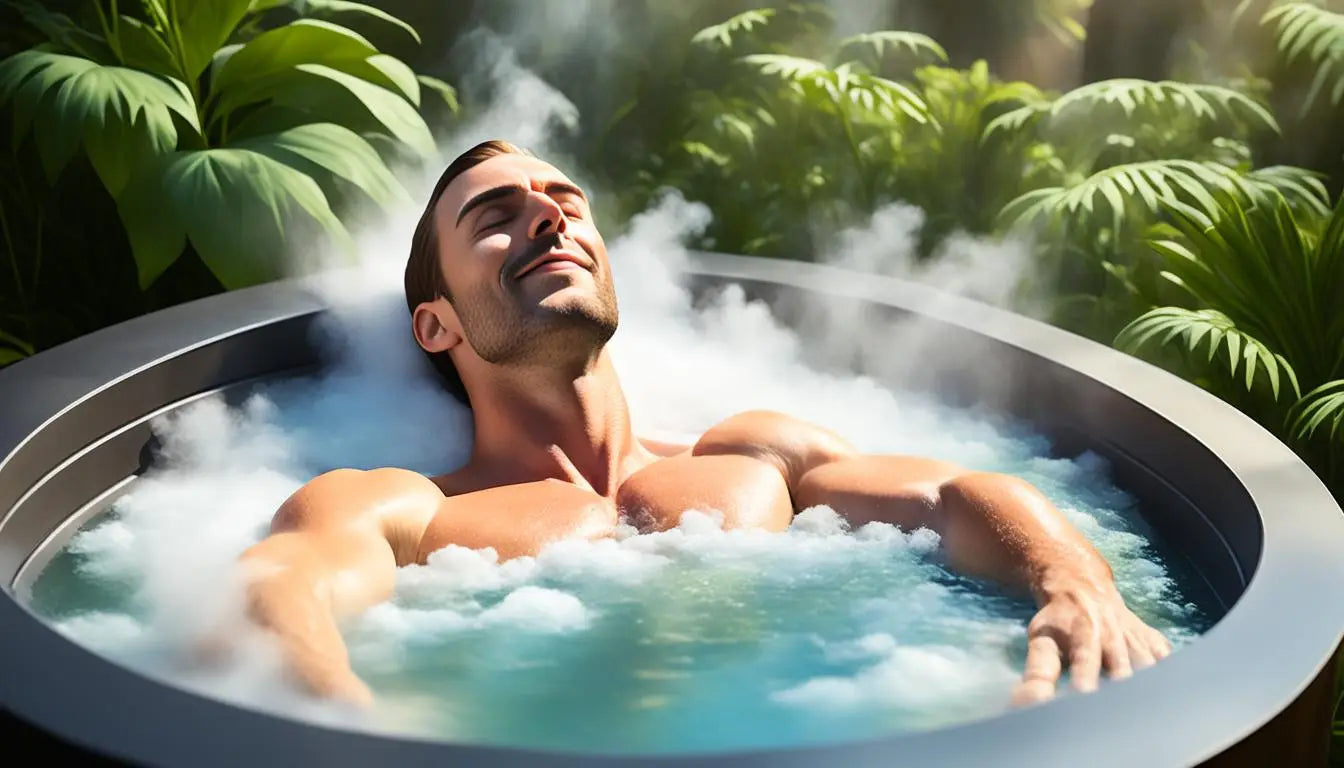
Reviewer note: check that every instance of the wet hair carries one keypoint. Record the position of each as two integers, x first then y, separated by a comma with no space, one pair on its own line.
424,279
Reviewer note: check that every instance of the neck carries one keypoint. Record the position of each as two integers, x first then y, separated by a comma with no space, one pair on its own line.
544,422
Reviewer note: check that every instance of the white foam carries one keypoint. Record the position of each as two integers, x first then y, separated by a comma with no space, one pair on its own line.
910,642
920,678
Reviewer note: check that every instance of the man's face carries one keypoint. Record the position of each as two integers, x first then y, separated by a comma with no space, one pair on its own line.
524,263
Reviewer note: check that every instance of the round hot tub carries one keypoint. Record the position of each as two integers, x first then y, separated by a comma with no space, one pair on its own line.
1254,523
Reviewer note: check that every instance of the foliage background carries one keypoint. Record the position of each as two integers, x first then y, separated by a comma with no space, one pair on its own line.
1178,163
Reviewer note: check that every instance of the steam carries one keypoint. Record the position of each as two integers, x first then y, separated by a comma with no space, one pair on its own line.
173,543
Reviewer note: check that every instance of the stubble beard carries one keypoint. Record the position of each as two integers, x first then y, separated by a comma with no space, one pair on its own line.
505,333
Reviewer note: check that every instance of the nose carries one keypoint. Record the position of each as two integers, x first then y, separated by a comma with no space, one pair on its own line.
547,218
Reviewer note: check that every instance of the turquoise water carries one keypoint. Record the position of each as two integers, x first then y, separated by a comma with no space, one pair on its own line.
688,640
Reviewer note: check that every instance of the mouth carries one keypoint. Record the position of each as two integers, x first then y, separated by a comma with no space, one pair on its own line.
553,261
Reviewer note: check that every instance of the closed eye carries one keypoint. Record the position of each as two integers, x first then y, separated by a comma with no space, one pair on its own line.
494,224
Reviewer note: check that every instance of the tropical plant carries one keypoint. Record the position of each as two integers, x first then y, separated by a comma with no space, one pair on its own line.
947,168
791,146
1116,121
1129,148
796,147
214,129
1305,32
1261,285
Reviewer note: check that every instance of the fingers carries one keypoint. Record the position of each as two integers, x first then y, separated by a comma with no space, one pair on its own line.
1085,663
1042,671
1140,650
1158,644
1116,656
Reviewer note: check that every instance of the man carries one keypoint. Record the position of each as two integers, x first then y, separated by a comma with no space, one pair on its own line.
511,296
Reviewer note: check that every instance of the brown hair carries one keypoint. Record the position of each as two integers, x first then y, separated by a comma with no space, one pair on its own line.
424,277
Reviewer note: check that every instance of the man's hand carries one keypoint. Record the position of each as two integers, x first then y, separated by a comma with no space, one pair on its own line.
1084,622
339,684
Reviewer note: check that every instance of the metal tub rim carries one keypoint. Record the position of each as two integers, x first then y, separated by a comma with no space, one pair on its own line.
1190,707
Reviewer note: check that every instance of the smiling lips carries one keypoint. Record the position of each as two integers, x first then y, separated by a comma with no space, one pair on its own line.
552,261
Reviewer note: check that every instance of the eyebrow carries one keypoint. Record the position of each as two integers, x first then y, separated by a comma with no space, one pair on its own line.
506,190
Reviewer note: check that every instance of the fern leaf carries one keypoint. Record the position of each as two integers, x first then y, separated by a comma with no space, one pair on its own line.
1148,102
726,34
1323,405
1125,189
1307,31
877,44
876,98
1214,330
1014,122
1300,187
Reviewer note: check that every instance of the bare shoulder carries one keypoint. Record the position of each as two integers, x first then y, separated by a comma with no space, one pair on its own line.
518,519
791,444
339,496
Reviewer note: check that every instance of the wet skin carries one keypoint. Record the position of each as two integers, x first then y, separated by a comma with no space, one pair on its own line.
555,458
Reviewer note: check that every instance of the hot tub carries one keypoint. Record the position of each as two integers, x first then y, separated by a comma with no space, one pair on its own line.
1251,518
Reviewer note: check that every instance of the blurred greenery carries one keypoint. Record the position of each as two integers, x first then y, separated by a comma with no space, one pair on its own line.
220,132
1175,164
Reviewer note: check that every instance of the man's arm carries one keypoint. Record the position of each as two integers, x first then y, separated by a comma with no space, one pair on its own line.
333,551
993,526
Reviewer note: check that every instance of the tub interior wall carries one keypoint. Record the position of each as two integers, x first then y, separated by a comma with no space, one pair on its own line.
1189,497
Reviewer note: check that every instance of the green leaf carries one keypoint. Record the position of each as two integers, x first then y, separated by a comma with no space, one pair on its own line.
222,57
61,29
444,90
1317,34
9,339
1301,187
200,27
922,47
390,110
1149,186
28,77
725,35
1015,122
335,150
395,72
1323,405
277,51
331,8
1195,326
126,117
237,207
121,115
1128,104
143,48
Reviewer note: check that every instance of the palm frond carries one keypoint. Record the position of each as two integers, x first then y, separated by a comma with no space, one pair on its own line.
13,348
1301,187
1148,102
1212,331
1057,16
877,45
725,35
1250,256
1015,122
1319,407
843,86
1307,31
1123,190
1329,268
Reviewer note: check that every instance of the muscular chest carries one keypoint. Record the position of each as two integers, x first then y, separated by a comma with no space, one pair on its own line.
747,493
521,519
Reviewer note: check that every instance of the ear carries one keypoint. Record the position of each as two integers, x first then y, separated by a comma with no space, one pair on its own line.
436,326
